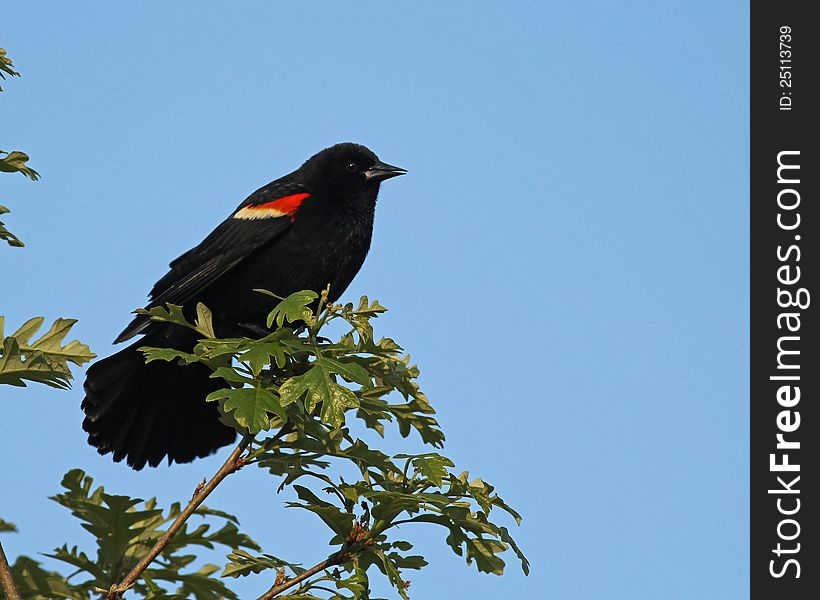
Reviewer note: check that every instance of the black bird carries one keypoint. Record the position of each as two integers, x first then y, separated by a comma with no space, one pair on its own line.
303,231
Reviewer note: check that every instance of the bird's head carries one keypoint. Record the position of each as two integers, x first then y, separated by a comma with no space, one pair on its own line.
348,171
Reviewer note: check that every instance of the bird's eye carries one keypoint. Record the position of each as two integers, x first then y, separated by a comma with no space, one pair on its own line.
352,167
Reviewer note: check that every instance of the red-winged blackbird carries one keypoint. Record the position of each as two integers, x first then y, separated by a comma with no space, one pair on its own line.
301,232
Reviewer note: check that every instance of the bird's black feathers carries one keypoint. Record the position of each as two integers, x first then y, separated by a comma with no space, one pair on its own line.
306,230
231,242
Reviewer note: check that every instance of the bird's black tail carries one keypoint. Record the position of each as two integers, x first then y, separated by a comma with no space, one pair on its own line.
145,412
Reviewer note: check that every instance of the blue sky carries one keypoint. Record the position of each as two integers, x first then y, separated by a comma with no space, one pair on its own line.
574,224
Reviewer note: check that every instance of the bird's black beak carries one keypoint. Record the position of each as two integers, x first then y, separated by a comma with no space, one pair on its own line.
381,171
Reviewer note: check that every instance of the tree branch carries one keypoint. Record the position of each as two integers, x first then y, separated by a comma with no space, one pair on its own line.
6,579
233,463
331,561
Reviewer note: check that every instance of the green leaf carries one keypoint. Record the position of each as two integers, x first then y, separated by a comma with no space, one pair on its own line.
415,561
310,382
35,583
360,317
250,406
349,370
401,545
484,552
507,538
6,235
201,586
45,360
365,456
173,313
6,66
388,566
357,583
243,563
456,537
388,505
231,375
229,535
292,309
15,162
318,388
341,522
204,320
78,559
415,415
497,501
259,354
206,511
367,308
431,465
124,530
6,526
198,585
169,354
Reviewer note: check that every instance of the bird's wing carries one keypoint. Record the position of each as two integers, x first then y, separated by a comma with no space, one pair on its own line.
260,219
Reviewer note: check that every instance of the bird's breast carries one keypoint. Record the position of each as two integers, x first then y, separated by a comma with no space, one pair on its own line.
303,258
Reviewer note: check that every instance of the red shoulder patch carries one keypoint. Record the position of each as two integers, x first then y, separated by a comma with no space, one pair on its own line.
284,206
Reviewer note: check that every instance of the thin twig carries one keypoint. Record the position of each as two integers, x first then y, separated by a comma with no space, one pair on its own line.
331,561
233,463
6,578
